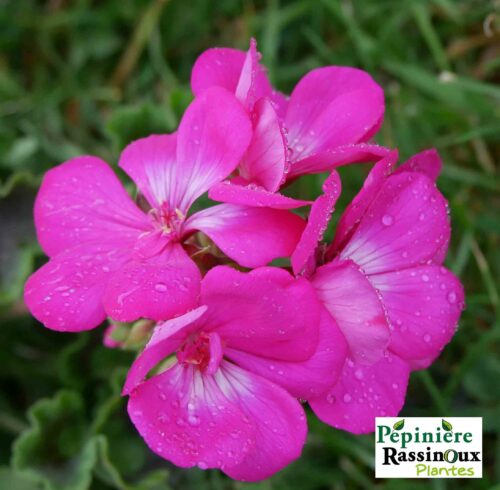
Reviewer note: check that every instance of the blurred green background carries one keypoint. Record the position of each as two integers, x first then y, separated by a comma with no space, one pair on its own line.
80,77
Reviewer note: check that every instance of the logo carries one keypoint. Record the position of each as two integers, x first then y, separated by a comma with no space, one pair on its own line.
429,447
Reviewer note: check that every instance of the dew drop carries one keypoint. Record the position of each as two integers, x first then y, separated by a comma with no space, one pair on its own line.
452,297
160,287
387,220
425,278
330,398
427,338
347,398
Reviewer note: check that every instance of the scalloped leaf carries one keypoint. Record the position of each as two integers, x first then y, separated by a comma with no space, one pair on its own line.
56,450
107,472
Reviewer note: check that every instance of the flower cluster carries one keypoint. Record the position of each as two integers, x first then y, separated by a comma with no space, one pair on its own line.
234,347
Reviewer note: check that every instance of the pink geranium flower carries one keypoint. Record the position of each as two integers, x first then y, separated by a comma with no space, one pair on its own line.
108,257
226,399
384,284
331,114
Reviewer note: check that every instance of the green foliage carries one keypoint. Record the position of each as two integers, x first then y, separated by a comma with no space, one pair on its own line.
11,479
87,77
56,450
130,123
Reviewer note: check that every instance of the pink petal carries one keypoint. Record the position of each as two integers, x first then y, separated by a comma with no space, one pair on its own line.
357,207
304,379
233,70
440,255
212,137
82,200
151,164
265,161
280,103
266,312
156,288
108,340
321,212
404,226
363,393
353,302
279,422
251,195
253,83
417,365
166,338
191,419
217,67
423,305
249,235
327,160
330,107
66,293
241,423
427,162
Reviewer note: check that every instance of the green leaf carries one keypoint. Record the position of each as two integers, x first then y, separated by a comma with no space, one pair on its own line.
399,425
481,380
9,479
107,472
130,123
17,240
446,425
56,450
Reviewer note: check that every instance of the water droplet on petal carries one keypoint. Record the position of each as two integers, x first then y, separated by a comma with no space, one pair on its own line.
330,398
452,297
160,287
347,398
387,220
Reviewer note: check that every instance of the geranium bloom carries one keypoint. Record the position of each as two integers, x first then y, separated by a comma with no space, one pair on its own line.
330,115
108,257
384,284
227,398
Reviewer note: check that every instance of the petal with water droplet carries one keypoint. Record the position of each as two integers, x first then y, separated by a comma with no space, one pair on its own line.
157,287
423,289
354,402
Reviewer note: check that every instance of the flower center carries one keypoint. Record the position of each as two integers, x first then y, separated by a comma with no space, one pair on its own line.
167,220
201,350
